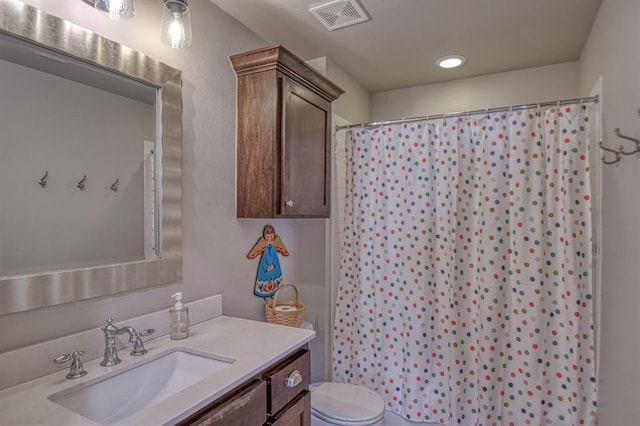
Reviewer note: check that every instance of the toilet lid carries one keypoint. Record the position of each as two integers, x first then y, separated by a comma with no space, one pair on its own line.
346,402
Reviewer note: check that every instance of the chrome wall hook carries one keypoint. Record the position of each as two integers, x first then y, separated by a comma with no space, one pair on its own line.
81,184
114,185
43,180
629,138
613,151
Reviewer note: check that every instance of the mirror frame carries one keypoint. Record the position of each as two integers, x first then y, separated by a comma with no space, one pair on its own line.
22,293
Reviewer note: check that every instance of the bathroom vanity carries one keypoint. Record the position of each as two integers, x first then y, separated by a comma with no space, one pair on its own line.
255,358
288,401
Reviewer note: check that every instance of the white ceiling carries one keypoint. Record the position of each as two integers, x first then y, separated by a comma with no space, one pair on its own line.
398,47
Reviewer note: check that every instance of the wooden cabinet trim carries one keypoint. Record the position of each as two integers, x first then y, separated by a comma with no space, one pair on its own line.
278,57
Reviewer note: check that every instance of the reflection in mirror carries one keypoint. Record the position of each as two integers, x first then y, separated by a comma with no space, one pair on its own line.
89,164
83,137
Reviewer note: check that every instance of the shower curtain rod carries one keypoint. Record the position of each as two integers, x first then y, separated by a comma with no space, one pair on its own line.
593,99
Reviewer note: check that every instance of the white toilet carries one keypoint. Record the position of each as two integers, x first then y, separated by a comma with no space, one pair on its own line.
344,404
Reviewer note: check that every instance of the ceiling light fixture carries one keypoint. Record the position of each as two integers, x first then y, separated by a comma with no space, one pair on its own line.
116,9
176,24
451,61
176,18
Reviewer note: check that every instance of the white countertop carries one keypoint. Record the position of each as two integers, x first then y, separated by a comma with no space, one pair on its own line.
253,345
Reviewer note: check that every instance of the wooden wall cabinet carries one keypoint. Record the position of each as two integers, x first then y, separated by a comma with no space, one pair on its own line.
265,400
283,135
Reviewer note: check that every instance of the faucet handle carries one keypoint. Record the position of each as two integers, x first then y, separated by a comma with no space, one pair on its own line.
76,369
109,327
138,344
147,332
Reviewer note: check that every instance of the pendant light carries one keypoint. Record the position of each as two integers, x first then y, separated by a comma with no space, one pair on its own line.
116,9
176,24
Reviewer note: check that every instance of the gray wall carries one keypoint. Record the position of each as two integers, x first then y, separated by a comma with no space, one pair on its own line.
215,243
495,90
355,104
612,52
47,125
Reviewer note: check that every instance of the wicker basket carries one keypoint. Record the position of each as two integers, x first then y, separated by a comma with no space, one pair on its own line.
285,313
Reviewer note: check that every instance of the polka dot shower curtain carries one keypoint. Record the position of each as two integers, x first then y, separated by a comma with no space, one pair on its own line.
465,284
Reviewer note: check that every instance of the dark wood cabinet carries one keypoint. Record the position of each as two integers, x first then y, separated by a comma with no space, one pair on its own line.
296,413
283,135
243,407
279,391
267,399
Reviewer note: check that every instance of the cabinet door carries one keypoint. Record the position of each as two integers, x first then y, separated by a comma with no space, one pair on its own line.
305,148
297,413
244,408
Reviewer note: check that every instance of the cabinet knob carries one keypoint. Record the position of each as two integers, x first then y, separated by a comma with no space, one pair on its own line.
293,380
289,203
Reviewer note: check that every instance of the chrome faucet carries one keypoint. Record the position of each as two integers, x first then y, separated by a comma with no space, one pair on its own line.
111,353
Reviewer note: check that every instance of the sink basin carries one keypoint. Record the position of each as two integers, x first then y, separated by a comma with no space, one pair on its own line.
114,397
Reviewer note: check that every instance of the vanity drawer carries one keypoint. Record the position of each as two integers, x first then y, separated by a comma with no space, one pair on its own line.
279,393
296,413
244,407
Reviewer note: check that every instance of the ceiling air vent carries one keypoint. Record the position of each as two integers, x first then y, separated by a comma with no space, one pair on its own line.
339,13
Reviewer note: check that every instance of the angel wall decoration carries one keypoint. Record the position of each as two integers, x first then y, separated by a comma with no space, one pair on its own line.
269,276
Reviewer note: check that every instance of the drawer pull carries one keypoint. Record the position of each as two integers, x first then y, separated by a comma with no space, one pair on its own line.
293,380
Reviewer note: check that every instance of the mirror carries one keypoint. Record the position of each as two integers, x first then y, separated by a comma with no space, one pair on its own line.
90,164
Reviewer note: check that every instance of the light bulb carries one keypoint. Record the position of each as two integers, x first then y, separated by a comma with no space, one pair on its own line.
176,31
116,9
176,24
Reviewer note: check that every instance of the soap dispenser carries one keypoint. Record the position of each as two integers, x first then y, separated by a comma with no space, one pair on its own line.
179,319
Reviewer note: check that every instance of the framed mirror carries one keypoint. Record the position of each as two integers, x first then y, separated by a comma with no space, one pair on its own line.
90,164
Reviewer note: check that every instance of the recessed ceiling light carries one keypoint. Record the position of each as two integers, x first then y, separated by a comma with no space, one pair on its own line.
451,61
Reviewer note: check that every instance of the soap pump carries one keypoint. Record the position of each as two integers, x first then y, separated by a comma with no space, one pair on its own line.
179,326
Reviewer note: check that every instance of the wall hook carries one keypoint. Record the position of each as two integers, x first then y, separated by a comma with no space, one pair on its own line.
629,138
616,152
81,184
114,185
43,180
